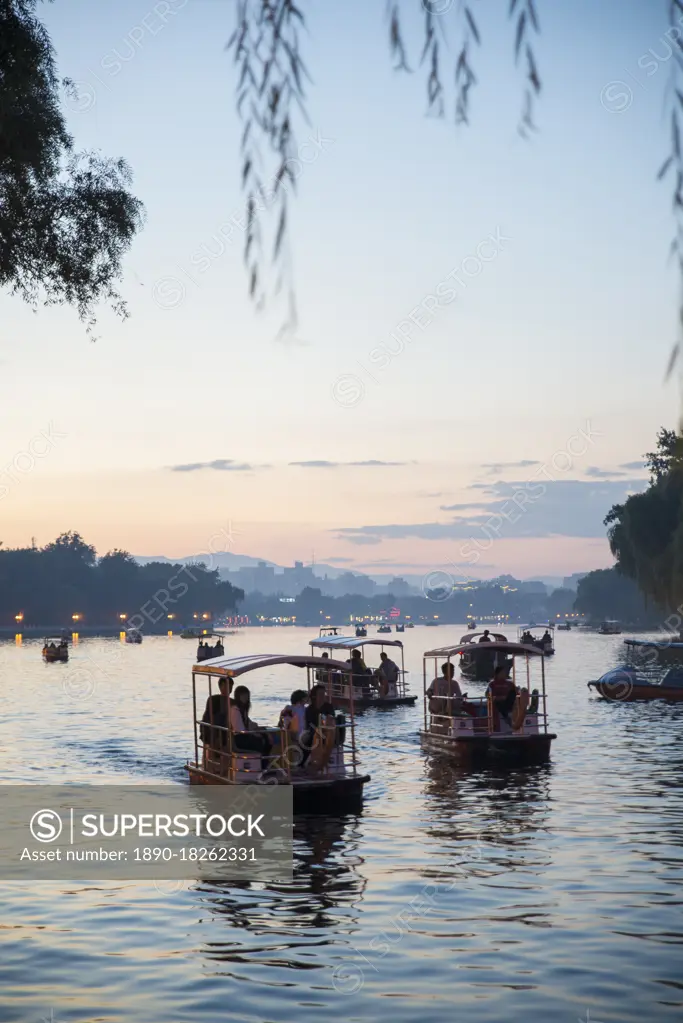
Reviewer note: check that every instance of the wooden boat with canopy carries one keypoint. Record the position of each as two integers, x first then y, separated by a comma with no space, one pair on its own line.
542,636
321,767
55,648
365,692
478,661
473,728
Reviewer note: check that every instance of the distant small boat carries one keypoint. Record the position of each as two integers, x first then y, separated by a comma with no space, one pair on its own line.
361,631
384,628
55,649
610,628
410,625
400,628
329,630
133,636
564,627
472,625
192,632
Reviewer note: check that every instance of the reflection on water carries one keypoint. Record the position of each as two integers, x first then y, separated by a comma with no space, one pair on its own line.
487,895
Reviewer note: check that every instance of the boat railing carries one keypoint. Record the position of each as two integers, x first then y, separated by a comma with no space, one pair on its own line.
287,753
454,712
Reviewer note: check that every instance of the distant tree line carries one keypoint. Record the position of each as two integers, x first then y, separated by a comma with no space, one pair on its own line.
48,585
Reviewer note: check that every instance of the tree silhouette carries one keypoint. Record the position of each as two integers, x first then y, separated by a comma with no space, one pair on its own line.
66,218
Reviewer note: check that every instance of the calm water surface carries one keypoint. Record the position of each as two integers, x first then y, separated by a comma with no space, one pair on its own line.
522,895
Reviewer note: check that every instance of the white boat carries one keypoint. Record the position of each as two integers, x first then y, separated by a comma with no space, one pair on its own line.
472,729
542,636
362,694
328,782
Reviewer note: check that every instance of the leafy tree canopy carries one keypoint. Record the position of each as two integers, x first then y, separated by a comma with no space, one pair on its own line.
66,218
646,531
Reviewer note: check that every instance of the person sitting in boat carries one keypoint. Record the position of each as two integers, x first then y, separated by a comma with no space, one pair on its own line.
320,731
444,694
503,692
486,638
293,716
360,673
546,640
246,737
216,714
322,674
387,675
218,650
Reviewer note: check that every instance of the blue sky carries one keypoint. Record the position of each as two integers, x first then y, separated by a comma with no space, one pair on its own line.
568,323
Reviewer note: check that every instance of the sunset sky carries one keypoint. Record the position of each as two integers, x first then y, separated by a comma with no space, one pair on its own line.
189,421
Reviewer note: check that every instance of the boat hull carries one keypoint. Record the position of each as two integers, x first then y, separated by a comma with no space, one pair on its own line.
519,749
51,658
314,796
630,692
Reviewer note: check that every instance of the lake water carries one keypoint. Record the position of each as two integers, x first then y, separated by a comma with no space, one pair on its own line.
548,893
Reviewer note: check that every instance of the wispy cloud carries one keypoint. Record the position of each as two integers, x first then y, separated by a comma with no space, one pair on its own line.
495,468
464,506
218,465
574,508
358,537
633,466
338,561
603,474
319,463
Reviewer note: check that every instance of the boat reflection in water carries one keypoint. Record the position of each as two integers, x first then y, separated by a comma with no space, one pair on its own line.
274,923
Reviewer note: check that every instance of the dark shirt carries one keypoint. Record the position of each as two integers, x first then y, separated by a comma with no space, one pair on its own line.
313,714
214,713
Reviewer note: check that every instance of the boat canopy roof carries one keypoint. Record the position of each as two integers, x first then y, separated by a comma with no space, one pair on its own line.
351,642
514,649
231,667
537,625
470,637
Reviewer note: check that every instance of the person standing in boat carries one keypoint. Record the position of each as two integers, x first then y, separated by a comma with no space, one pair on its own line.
486,638
387,675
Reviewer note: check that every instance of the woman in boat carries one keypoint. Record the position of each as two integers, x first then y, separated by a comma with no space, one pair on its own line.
246,736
